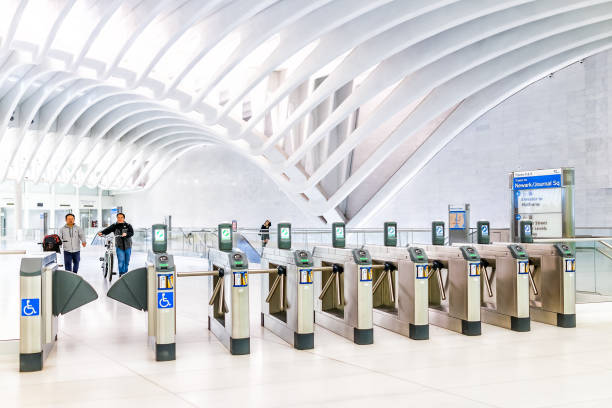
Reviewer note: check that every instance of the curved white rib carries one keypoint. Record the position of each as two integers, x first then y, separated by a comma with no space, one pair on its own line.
102,112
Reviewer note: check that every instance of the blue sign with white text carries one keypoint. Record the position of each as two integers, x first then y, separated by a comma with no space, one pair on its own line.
30,307
165,300
544,181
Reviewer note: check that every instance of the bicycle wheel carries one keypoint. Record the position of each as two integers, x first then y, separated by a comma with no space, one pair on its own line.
105,266
111,262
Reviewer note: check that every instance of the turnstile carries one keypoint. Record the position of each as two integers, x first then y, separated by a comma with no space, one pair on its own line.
344,305
454,293
46,293
288,296
401,290
552,274
229,320
153,289
504,286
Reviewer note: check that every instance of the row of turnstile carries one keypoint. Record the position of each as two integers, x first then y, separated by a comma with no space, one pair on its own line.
348,291
344,290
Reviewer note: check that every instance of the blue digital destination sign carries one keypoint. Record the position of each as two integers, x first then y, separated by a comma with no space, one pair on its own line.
543,181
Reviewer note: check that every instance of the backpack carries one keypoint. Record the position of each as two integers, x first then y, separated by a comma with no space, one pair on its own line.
51,243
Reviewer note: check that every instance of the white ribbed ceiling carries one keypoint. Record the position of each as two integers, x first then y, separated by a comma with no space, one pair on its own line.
341,102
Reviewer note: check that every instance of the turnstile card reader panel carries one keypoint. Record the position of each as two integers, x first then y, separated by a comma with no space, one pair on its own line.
284,236
159,238
390,234
483,232
417,255
226,237
338,235
303,258
437,233
526,235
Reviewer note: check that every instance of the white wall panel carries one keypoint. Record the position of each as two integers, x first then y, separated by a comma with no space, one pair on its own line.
560,121
208,186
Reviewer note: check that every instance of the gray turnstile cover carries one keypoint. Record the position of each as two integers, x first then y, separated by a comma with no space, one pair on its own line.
70,291
131,289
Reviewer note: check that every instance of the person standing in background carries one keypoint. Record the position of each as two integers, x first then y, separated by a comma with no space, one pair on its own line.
264,232
72,237
123,241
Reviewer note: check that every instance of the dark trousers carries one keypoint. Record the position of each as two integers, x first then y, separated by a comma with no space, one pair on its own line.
72,260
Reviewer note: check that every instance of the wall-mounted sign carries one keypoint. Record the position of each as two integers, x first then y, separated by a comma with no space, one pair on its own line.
456,217
538,196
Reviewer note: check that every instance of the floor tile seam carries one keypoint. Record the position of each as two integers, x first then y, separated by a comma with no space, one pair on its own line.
399,394
529,380
140,375
265,383
569,405
484,363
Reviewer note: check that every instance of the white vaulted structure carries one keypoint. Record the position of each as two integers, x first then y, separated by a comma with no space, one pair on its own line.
340,102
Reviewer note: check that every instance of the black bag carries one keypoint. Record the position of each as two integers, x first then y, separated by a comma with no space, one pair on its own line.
51,243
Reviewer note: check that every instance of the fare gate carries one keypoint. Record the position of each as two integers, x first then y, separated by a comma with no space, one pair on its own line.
46,293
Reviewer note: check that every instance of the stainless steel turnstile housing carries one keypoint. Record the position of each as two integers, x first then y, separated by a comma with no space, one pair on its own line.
345,303
288,296
228,315
401,290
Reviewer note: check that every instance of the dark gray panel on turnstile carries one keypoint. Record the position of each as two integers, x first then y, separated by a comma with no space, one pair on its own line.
131,289
70,291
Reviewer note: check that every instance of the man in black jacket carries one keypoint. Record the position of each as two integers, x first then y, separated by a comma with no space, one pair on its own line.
123,241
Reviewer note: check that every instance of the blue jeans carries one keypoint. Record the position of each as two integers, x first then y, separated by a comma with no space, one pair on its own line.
123,258
72,260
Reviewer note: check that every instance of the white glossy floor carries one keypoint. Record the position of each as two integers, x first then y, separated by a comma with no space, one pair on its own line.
102,360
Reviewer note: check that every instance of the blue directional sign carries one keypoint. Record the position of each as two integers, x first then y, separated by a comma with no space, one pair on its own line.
165,300
30,307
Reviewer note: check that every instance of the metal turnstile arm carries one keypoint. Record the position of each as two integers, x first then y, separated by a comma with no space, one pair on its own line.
326,286
485,274
437,267
218,292
379,281
390,282
531,272
199,273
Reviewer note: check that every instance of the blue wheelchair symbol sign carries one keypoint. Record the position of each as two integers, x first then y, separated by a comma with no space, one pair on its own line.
484,229
30,307
165,300
439,231
527,229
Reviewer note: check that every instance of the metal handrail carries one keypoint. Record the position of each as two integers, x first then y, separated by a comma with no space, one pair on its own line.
549,240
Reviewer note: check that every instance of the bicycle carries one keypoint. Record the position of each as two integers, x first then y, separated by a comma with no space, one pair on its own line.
108,260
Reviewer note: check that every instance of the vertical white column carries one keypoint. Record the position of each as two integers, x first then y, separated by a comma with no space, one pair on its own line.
99,217
19,210
77,209
52,208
